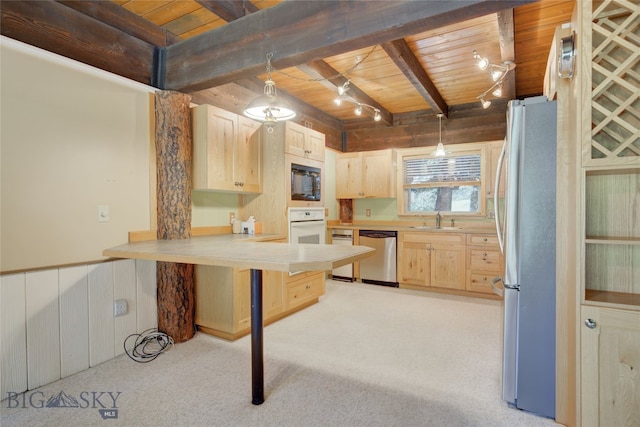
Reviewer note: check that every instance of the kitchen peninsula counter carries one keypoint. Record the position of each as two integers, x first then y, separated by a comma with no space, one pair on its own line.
244,252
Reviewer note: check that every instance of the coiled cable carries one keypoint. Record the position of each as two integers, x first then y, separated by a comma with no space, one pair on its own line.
147,345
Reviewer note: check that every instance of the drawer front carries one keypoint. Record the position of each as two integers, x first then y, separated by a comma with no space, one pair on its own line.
443,237
484,259
480,283
481,239
302,291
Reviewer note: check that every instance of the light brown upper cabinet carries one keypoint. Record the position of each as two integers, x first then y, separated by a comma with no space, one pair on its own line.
365,174
227,153
304,142
494,149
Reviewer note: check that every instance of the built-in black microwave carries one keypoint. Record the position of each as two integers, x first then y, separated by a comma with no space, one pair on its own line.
305,182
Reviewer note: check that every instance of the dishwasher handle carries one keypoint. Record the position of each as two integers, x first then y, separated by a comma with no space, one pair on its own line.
377,234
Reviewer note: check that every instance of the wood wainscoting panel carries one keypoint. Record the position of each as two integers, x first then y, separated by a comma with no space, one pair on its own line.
124,287
13,334
43,327
146,295
74,320
101,330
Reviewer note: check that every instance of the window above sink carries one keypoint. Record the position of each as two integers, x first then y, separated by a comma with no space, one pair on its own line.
451,185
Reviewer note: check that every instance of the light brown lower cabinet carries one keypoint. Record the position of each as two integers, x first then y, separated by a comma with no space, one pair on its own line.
610,367
431,260
223,298
484,262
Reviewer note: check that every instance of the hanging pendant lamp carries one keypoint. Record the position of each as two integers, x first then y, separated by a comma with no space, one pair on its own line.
440,152
268,107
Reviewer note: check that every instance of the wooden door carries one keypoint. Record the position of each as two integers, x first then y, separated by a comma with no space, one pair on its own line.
248,156
295,139
414,263
448,266
376,174
495,149
349,176
610,363
241,299
315,145
273,298
221,137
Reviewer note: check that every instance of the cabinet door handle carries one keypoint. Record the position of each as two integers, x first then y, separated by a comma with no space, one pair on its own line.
590,323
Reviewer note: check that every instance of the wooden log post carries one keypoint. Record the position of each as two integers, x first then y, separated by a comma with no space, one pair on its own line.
176,303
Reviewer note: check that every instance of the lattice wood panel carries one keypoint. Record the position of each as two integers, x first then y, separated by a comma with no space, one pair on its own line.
615,79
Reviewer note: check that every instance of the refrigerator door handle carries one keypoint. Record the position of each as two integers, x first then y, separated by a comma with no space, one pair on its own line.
496,209
496,290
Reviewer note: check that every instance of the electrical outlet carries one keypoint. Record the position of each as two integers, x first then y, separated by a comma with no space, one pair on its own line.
368,212
119,307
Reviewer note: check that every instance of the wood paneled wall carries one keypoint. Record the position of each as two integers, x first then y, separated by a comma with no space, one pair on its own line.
59,322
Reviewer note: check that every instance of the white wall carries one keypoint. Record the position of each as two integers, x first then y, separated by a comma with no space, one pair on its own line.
72,138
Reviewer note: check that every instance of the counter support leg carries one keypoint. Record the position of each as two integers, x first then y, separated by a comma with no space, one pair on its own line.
257,365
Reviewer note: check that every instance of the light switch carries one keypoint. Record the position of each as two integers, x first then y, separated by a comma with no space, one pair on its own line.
103,213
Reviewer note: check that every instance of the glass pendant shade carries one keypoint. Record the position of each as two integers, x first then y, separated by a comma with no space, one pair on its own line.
268,107
440,151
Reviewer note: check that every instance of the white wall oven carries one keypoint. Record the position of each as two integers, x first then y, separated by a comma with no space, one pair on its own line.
307,226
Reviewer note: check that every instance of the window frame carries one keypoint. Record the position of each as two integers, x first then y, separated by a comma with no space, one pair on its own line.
453,150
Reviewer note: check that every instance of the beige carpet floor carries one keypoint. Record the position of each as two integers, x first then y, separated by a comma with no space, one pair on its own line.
364,356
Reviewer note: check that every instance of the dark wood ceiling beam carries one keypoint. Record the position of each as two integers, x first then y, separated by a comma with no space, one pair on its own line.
402,55
302,31
229,10
331,79
467,123
124,20
60,29
506,33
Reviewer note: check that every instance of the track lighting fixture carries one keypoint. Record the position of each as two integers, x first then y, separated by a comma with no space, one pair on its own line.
482,63
485,104
498,73
344,96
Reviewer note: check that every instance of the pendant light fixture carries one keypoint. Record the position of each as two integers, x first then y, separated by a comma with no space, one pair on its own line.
268,107
440,152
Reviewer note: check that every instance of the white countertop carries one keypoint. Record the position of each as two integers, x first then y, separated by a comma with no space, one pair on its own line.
241,250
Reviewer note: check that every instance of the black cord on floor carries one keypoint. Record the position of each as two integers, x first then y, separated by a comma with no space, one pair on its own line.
148,345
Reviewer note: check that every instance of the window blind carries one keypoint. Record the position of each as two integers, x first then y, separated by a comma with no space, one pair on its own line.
421,170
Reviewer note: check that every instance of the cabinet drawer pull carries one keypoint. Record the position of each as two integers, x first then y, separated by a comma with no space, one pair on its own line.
590,323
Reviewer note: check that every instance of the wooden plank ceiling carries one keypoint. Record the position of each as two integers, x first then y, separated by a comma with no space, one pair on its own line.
410,70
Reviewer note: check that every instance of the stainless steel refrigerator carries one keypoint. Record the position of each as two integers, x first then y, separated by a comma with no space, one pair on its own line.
527,236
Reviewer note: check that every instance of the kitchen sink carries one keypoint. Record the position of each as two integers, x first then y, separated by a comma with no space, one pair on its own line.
430,227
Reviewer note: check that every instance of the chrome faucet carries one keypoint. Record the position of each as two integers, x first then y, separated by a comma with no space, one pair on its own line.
438,219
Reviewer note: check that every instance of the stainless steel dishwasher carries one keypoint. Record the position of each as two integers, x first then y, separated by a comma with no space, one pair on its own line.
380,268
341,236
